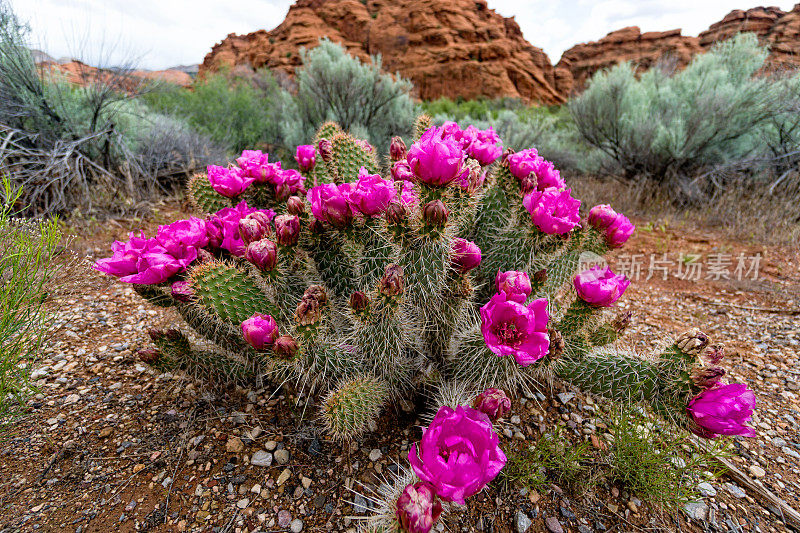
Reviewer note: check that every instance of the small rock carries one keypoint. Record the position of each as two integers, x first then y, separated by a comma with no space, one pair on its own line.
613,507
256,489
296,526
735,490
234,445
105,432
522,522
261,458
375,455
706,489
282,456
553,525
243,503
270,445
633,507
757,471
284,518
696,510
360,504
284,477
565,397
306,482
138,468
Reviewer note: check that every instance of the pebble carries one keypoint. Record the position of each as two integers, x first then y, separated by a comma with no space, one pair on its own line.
706,489
757,471
553,525
565,397
734,490
281,456
296,526
522,522
284,518
243,503
375,455
234,445
284,477
696,510
261,458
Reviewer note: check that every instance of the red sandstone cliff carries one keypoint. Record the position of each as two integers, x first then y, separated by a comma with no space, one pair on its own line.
454,48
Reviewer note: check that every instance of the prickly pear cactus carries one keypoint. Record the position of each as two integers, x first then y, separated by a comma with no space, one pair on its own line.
453,264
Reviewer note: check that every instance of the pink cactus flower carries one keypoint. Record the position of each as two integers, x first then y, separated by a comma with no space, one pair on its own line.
329,204
154,267
182,291
287,229
465,255
260,331
553,211
599,287
459,453
546,175
125,255
722,410
514,284
371,194
288,182
436,161
251,162
417,508
510,328
263,254
493,402
227,220
229,182
306,157
182,236
409,195
615,227
522,163
144,261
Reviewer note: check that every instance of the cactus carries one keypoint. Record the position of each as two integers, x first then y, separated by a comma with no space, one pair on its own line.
377,298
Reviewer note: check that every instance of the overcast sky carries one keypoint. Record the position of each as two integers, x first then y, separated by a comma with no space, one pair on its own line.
165,33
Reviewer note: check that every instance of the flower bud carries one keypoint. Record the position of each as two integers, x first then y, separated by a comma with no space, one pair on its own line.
305,157
493,402
396,213
401,171
285,347
170,334
260,331
263,254
149,356
204,255
556,344
391,284
540,277
316,292
435,213
182,291
714,353
287,229
506,153
397,149
325,148
706,377
359,301
295,206
215,230
528,183
254,227
308,312
417,508
692,342
465,255
316,227
622,321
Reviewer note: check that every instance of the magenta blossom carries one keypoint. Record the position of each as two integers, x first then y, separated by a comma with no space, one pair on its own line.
288,182
601,217
153,268
435,160
144,261
465,255
553,211
254,164
493,402
723,410
485,153
371,194
510,328
260,331
514,284
616,228
401,171
329,204
125,255
409,195
546,175
229,182
226,223
522,163
599,287
459,453
417,508
306,157
183,234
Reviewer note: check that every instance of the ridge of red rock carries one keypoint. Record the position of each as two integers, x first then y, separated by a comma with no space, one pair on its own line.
453,48
80,73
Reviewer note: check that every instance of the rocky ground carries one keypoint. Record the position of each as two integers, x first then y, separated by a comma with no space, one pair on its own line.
109,445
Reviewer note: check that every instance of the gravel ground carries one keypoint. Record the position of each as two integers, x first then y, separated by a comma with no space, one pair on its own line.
110,445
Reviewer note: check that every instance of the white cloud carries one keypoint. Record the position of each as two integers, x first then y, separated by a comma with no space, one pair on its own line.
163,33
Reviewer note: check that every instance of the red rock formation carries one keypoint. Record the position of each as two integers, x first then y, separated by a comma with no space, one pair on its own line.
627,44
784,40
453,48
758,20
82,74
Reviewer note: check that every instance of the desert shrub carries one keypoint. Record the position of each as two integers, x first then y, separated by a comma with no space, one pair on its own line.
235,110
332,85
667,125
27,269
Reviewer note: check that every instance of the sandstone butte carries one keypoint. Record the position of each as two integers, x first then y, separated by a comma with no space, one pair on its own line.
773,26
454,48
82,74
461,48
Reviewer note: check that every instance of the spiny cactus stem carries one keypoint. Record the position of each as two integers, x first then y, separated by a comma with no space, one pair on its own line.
577,318
155,294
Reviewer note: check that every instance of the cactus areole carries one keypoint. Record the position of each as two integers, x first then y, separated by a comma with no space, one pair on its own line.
364,281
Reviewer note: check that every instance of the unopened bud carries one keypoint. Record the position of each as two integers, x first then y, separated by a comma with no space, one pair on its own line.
507,152
396,213
325,148
540,277
528,183
251,230
204,255
287,229
263,254
622,321
397,149
285,347
316,227
149,356
706,377
308,312
317,292
693,342
715,353
359,301
295,206
391,284
435,213
182,291
556,344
